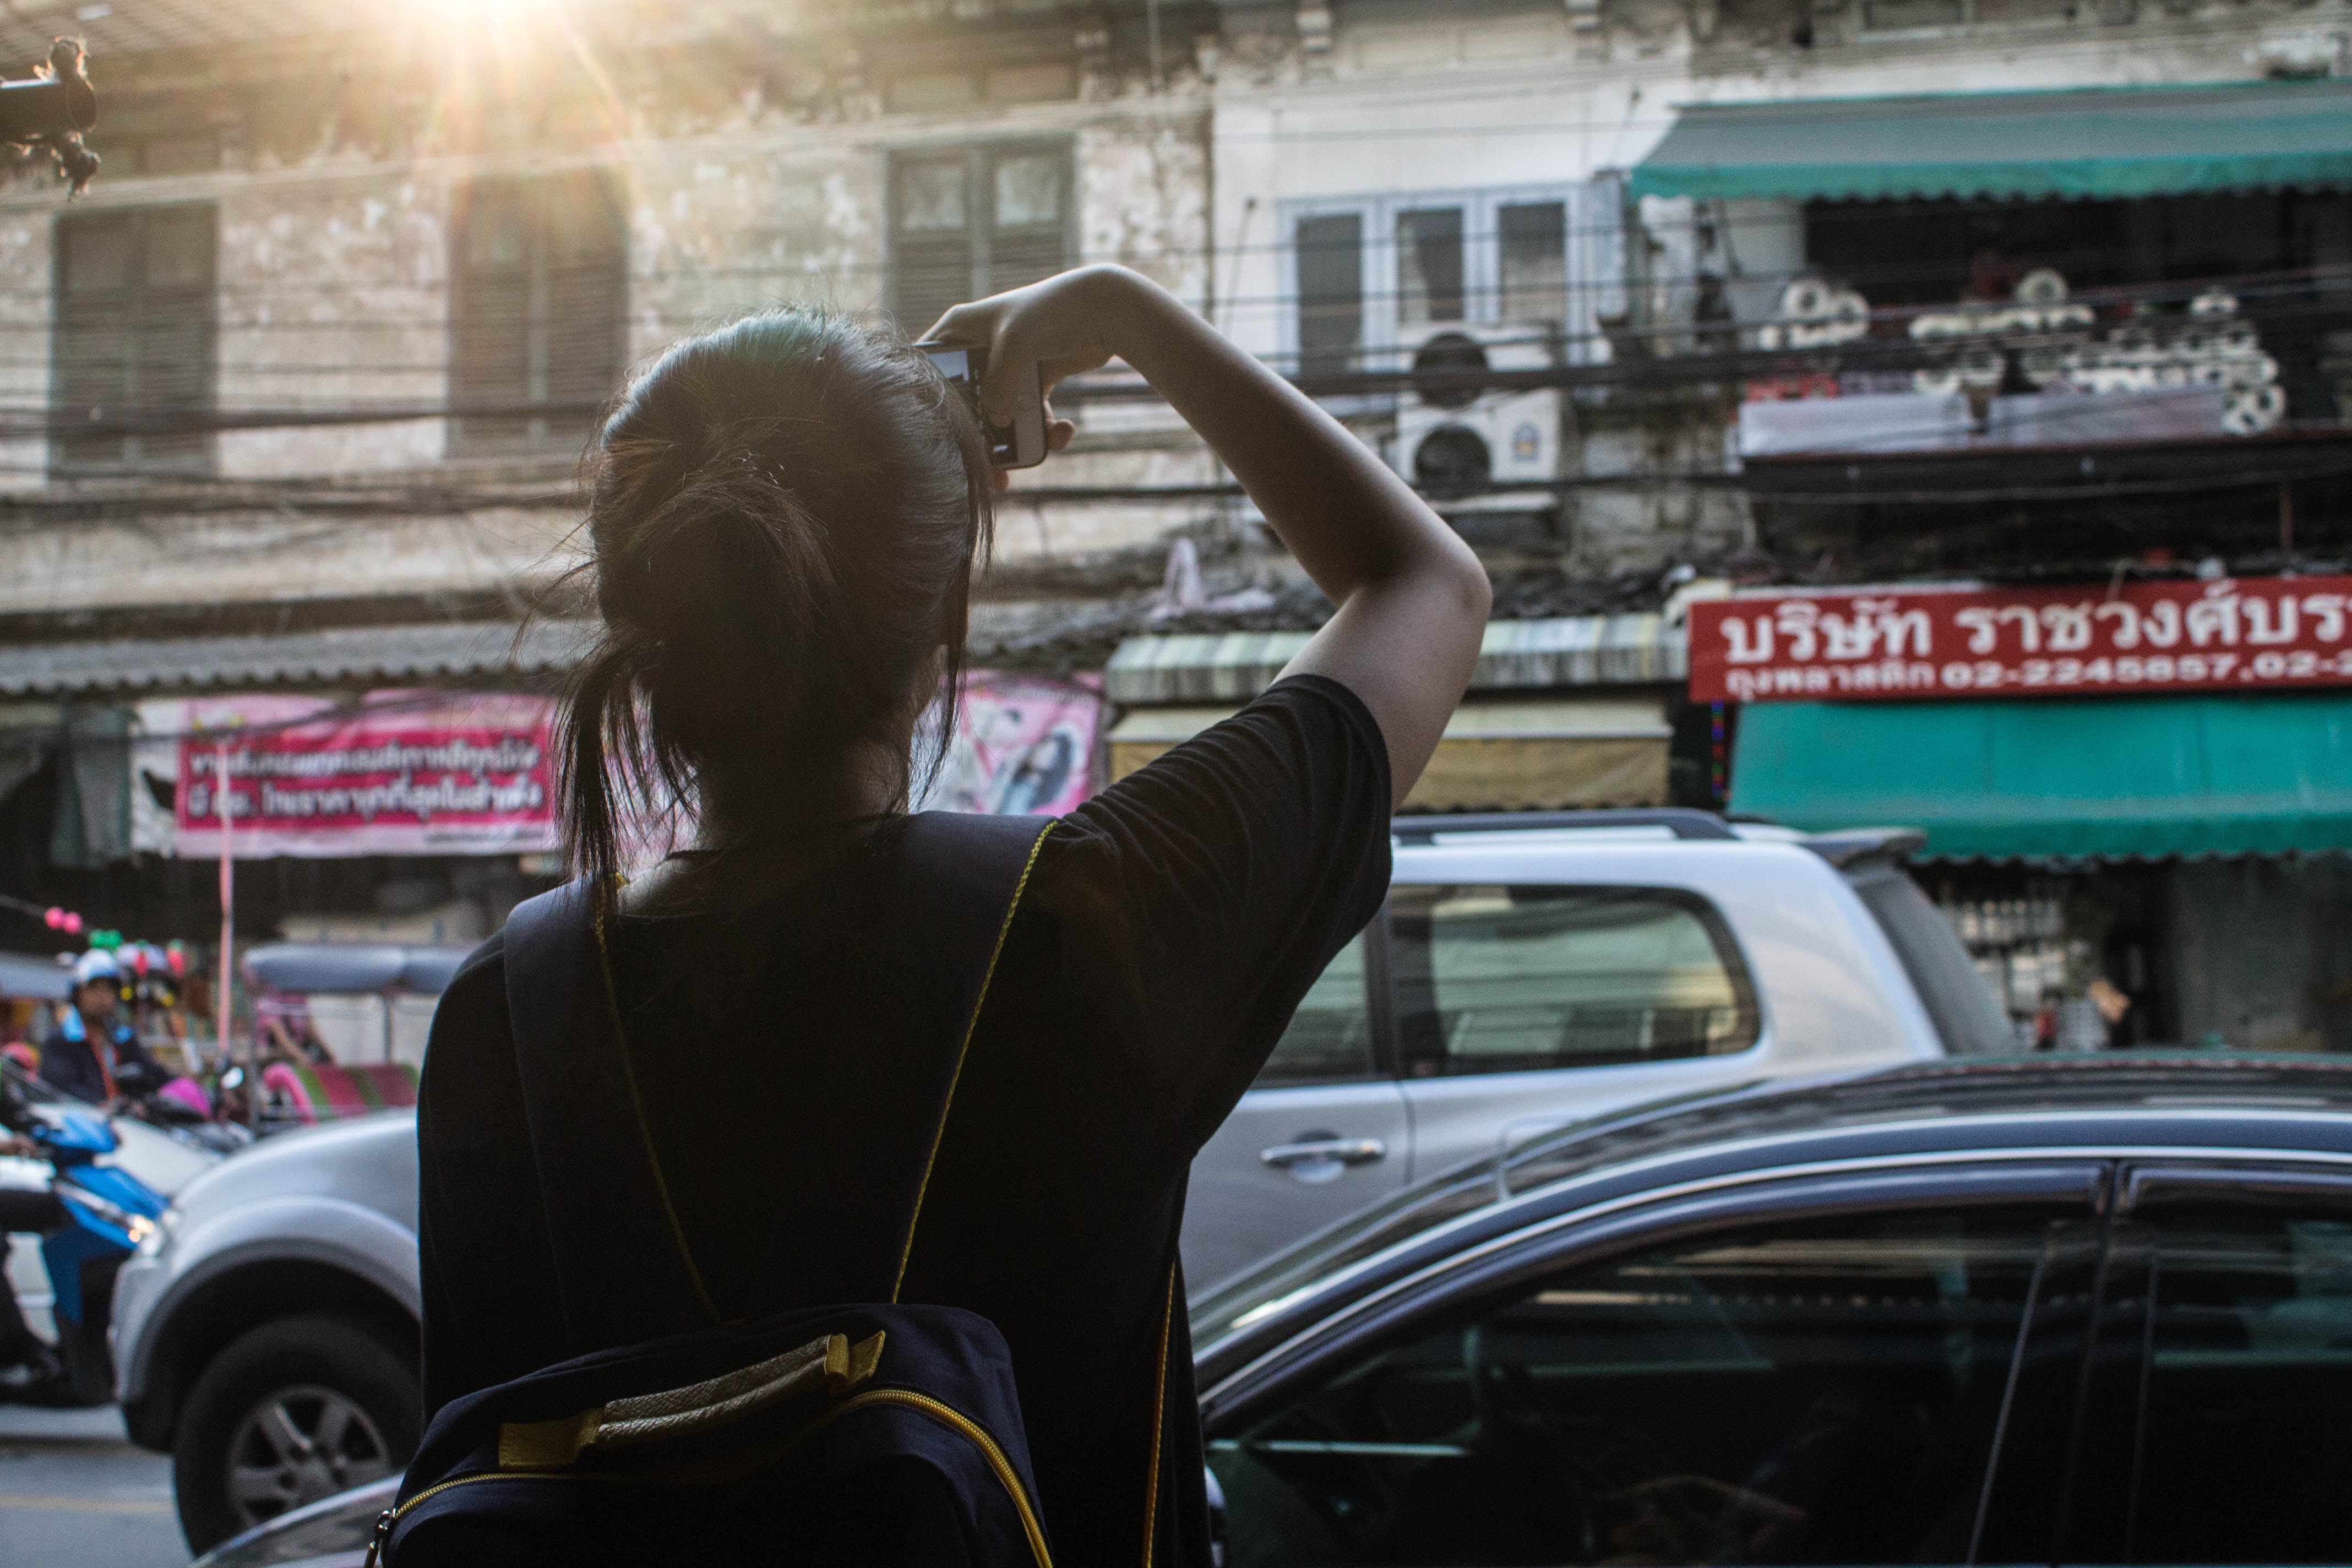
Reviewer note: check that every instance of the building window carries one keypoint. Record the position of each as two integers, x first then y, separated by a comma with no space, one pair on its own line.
971,223
1330,292
1428,257
537,325
1531,262
1382,273
135,328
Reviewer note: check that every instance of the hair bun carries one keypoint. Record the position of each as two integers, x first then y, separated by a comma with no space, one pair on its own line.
783,516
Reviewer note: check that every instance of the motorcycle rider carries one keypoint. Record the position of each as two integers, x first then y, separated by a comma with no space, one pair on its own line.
93,1043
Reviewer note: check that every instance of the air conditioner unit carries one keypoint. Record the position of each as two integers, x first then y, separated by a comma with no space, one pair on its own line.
1457,433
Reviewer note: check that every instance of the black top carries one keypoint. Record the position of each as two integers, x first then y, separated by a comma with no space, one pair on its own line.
1170,927
72,1067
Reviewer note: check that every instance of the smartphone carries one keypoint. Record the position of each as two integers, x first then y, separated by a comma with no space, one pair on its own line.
1020,445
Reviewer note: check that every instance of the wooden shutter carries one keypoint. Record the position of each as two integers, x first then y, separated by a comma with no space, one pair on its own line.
541,303
176,334
490,317
931,203
136,321
1028,216
585,245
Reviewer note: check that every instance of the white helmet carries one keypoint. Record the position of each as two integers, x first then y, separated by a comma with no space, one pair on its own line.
95,965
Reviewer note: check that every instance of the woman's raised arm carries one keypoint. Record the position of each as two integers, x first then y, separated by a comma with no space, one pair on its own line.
1411,597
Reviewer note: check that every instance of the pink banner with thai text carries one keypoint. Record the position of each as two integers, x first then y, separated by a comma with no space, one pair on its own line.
2228,635
401,773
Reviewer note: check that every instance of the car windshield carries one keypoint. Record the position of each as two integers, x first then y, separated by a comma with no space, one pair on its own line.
1966,1012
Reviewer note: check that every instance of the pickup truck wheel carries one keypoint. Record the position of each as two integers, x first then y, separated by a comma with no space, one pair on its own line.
290,1413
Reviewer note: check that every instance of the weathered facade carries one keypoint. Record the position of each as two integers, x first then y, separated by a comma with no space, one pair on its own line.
317,355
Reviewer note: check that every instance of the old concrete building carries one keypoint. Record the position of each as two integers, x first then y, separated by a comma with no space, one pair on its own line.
297,392
293,398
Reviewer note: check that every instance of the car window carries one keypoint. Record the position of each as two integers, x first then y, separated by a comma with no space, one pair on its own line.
1967,1015
1811,1392
1329,1037
1500,979
2247,1429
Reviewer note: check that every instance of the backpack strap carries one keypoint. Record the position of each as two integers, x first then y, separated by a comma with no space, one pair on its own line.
597,1173
969,878
621,1257
1159,1417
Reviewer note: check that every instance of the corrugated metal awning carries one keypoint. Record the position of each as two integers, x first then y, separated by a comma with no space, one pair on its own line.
364,653
1605,719
2112,142
1567,650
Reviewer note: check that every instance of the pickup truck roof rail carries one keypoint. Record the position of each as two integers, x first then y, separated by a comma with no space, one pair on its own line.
1684,822
1855,845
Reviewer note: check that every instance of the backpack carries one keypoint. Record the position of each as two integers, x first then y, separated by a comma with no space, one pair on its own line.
877,1434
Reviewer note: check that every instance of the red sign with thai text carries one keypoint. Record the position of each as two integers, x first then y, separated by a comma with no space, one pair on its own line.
2232,633
403,772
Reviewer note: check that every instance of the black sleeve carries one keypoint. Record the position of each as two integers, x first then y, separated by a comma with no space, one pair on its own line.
1196,899
490,1311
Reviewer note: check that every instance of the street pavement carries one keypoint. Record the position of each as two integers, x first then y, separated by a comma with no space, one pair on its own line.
75,1493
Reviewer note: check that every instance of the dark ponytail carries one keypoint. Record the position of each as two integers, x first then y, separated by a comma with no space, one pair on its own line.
784,516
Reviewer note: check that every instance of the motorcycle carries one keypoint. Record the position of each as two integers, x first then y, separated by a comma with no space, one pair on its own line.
107,1212
182,1107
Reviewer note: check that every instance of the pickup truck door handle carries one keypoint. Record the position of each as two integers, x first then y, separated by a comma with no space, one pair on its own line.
1317,1151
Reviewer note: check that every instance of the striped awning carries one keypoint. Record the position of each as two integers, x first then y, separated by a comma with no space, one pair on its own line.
2108,143
1567,650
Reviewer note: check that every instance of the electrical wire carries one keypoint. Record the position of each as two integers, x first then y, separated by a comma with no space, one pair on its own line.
24,421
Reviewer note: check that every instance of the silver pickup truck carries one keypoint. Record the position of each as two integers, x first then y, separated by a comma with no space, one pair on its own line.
1527,972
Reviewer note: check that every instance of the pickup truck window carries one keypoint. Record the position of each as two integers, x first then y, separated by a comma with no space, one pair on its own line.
1506,978
1329,1037
1966,1012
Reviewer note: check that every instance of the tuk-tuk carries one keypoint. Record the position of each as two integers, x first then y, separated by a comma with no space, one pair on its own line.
300,1082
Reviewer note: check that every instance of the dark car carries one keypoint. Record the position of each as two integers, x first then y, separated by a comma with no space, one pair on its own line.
2089,1311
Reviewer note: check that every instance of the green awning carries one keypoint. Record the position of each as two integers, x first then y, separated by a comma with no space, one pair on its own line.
2057,778
2117,141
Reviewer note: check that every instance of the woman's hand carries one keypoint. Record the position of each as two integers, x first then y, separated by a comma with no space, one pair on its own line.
1064,326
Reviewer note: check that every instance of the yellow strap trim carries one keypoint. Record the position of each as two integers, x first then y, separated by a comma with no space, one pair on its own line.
939,1132
547,1445
831,1365
1006,1476
638,1109
1159,1419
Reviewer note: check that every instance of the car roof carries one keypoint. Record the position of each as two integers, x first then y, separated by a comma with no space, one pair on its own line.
2282,1104
1686,824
